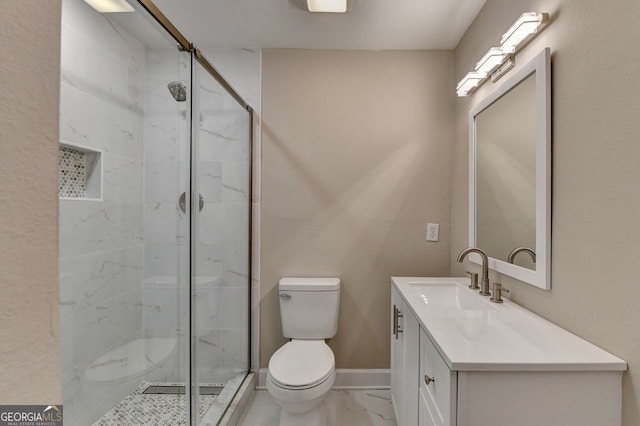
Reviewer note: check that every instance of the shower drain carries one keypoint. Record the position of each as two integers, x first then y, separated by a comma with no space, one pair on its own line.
179,390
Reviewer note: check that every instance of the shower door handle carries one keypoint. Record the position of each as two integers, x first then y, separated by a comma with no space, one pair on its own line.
183,199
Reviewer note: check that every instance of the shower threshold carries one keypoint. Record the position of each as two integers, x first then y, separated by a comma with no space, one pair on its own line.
179,390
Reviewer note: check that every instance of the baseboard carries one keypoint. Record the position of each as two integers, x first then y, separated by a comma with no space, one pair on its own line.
348,378
359,378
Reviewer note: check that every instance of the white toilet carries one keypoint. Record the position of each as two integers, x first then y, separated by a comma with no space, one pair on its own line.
302,371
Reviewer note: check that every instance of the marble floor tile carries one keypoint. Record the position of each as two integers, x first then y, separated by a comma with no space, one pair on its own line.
343,408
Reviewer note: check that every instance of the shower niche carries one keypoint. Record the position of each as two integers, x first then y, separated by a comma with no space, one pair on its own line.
79,173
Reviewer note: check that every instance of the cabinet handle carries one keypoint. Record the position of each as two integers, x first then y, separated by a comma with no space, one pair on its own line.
428,380
395,321
396,326
398,329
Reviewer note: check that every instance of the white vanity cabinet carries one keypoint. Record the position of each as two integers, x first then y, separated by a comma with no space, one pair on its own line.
456,362
404,361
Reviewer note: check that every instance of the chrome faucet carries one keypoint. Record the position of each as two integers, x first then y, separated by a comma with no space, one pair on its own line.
484,283
515,251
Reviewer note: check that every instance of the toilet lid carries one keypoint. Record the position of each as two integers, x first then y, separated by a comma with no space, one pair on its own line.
301,363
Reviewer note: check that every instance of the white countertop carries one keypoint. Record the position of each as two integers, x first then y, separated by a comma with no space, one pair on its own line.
500,337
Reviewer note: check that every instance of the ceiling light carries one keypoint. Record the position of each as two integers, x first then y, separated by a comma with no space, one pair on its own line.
469,82
527,24
331,6
110,6
490,61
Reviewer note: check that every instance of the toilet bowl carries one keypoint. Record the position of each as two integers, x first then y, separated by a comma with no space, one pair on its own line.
302,372
300,375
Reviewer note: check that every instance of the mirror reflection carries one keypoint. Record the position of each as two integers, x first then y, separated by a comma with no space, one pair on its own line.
506,176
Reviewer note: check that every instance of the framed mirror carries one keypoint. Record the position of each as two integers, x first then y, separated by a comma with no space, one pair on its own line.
510,175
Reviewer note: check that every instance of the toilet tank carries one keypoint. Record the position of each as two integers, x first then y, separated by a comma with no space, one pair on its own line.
309,307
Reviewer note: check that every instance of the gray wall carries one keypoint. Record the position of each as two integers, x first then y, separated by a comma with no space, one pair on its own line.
355,162
30,82
595,289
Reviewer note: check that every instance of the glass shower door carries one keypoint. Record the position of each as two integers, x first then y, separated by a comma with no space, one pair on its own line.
220,244
124,242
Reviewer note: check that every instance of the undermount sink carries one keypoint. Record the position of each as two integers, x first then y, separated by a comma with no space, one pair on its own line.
448,295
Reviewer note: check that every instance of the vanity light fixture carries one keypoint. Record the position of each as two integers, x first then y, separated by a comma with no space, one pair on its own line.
110,6
522,30
499,60
505,67
329,6
469,82
490,61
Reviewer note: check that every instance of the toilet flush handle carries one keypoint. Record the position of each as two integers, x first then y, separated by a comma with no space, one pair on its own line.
285,296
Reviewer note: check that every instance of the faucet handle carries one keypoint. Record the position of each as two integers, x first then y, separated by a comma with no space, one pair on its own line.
497,293
474,280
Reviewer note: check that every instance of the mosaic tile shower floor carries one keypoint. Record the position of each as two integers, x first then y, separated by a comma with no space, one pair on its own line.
140,409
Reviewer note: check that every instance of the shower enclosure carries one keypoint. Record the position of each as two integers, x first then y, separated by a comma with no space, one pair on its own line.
155,196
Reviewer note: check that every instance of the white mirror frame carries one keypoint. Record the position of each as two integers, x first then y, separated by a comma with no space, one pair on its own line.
541,277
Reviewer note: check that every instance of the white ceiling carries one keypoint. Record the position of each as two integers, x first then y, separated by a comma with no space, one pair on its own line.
371,25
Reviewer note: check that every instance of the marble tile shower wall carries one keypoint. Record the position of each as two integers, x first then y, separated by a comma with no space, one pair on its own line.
223,236
101,242
242,69
166,153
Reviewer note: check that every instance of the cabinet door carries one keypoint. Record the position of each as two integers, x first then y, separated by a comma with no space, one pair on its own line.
405,355
425,416
397,356
411,367
438,384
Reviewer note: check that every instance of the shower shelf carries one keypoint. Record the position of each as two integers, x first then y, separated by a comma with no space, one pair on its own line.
80,173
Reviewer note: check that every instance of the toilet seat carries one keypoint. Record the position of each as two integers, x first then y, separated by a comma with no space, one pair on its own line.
301,364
